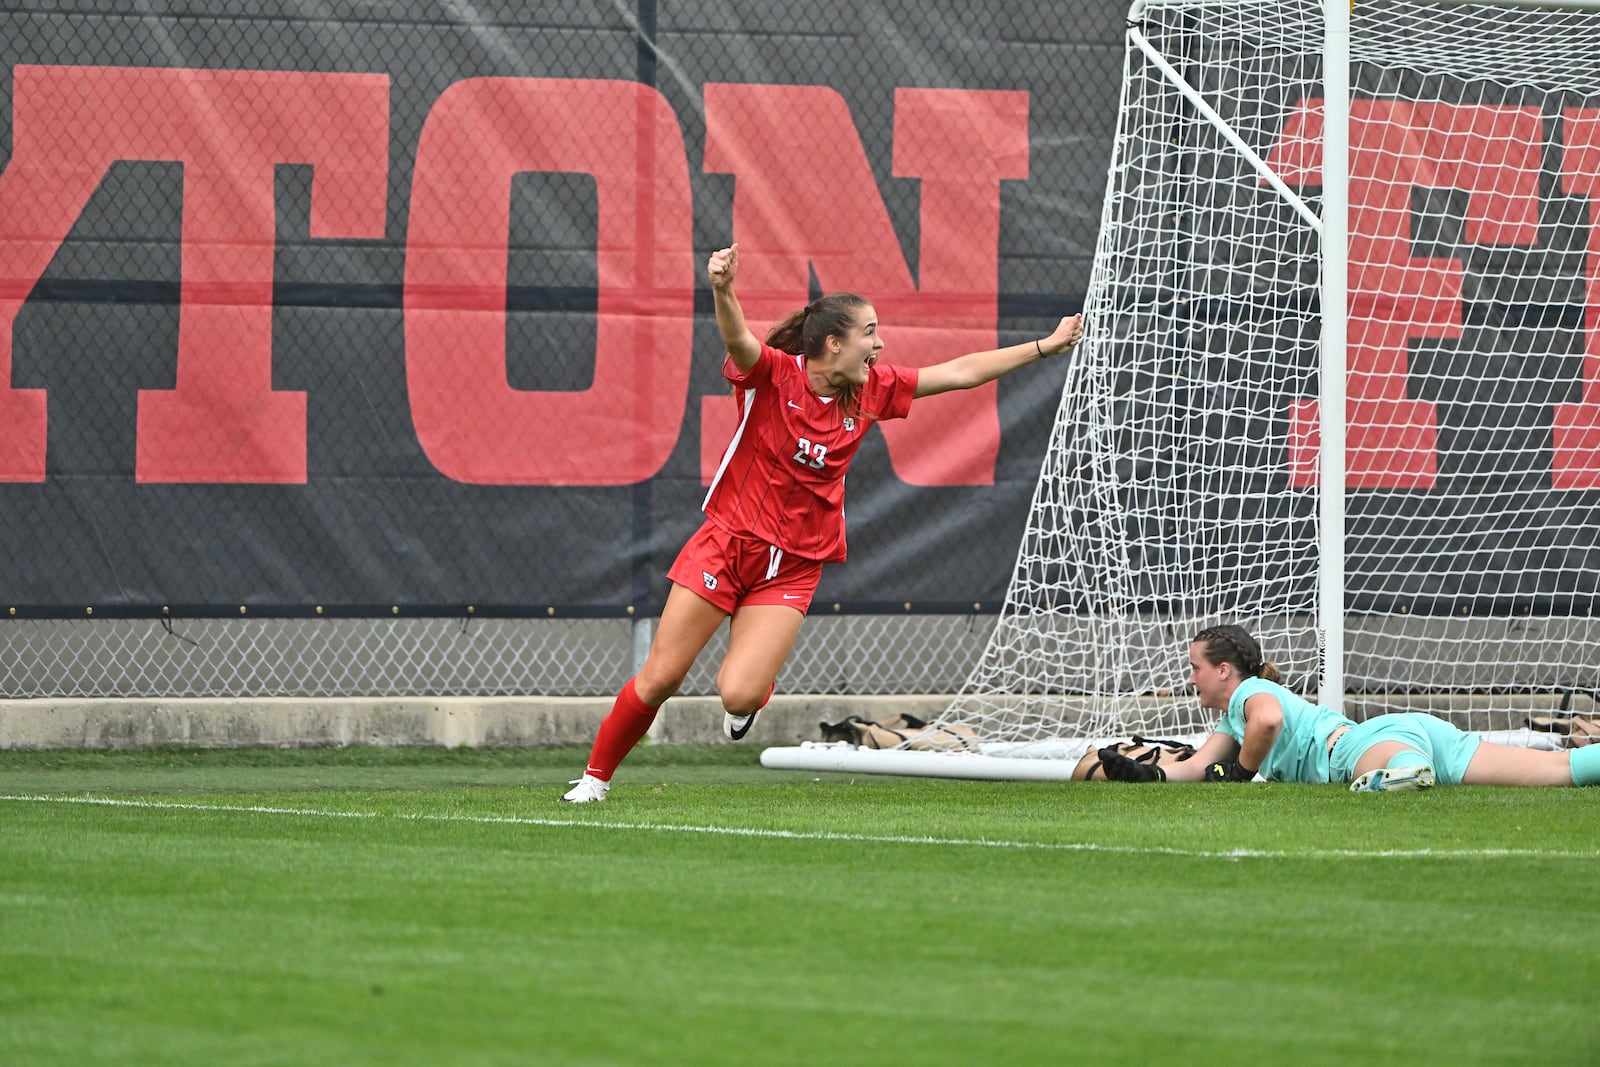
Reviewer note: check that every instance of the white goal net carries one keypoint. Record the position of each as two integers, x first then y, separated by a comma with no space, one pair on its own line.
1181,485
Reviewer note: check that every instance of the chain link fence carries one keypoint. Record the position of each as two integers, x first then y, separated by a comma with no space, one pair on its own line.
399,309
847,654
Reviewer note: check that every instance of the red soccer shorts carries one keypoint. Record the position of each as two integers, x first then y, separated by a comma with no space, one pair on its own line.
729,571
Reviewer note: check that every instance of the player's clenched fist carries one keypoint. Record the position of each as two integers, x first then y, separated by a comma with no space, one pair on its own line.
721,266
1068,332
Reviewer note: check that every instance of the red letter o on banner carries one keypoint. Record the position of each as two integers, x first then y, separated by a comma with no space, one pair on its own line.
472,424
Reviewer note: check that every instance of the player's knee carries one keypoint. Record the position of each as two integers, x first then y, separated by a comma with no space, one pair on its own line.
654,687
742,696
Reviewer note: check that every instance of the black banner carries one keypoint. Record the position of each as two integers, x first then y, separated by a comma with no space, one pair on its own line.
306,306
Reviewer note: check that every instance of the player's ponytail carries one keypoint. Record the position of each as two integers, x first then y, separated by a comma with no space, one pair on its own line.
803,332
789,334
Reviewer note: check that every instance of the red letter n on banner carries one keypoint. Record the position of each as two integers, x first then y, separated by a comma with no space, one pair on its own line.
1490,152
223,422
472,424
1576,431
796,207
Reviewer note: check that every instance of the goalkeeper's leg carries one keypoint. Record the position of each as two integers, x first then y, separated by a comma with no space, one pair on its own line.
1402,768
1458,756
1407,750
1512,765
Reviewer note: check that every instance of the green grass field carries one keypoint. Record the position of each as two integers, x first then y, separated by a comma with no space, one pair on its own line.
396,907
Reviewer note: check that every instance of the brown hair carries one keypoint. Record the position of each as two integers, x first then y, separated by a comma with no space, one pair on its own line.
1233,644
805,332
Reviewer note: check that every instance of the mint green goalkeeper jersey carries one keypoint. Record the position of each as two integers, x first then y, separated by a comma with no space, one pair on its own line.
1300,754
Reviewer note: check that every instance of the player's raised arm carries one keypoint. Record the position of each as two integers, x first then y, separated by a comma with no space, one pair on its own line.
743,346
976,368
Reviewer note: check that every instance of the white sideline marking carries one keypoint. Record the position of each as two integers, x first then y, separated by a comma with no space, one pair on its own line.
818,835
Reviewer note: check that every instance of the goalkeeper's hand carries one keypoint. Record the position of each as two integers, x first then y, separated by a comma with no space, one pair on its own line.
1119,768
1227,772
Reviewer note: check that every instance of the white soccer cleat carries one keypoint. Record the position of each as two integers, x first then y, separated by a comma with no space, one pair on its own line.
736,726
587,790
1393,780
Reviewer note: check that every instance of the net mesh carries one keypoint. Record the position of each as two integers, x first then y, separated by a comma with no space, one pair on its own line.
1181,485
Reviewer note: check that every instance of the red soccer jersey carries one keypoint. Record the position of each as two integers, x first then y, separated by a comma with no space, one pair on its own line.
782,477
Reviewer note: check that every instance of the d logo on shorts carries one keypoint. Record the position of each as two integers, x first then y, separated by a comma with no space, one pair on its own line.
709,578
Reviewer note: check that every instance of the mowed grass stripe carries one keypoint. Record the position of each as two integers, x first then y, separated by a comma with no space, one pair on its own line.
816,835
203,910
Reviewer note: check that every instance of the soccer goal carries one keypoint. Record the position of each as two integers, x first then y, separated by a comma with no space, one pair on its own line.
1402,500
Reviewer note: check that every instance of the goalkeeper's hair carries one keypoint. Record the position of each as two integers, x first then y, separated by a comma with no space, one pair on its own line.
1233,644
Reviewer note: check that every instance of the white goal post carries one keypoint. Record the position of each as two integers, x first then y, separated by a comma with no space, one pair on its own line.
1402,500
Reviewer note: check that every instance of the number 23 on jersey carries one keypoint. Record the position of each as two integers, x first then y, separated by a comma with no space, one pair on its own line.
810,454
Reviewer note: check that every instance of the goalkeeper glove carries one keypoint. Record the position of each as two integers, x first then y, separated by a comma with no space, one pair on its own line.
1120,768
1228,772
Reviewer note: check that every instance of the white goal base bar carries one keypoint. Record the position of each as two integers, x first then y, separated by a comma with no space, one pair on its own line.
1036,762
842,757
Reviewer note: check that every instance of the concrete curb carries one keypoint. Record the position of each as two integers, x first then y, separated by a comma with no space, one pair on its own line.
448,722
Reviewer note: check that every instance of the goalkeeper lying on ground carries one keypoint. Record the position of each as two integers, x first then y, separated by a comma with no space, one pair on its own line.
1267,729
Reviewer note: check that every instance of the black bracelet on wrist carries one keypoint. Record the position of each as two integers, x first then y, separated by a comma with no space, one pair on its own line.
1038,349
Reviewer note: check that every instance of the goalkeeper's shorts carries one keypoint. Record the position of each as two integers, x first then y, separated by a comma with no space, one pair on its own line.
1448,748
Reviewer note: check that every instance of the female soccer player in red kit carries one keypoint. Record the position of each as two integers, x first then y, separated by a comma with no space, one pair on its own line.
775,512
